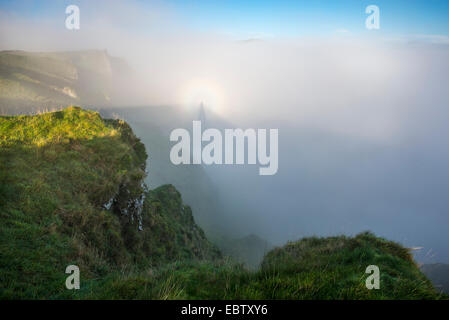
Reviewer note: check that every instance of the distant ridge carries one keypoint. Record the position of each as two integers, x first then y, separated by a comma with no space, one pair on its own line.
34,81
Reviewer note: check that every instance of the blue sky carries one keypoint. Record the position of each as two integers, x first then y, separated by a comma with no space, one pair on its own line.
277,18
317,17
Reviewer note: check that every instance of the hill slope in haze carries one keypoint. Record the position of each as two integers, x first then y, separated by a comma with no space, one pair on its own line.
438,273
32,81
249,250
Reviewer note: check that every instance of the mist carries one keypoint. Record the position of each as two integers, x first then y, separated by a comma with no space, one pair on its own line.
363,120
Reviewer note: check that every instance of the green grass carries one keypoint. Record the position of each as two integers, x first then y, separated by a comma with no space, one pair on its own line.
59,169
334,268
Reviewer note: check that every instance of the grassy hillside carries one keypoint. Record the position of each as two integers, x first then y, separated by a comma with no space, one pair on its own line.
334,268
312,268
71,192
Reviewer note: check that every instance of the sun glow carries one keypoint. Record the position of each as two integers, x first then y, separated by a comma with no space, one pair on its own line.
206,92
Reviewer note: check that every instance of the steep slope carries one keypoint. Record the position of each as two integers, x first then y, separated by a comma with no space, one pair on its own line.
153,125
72,192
